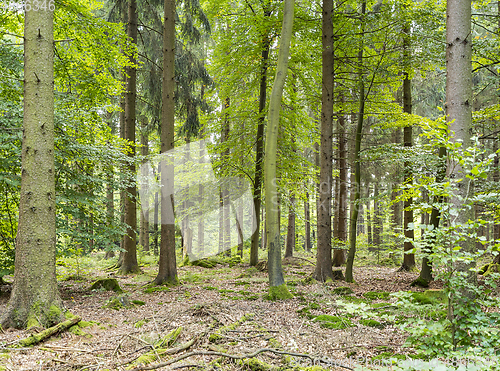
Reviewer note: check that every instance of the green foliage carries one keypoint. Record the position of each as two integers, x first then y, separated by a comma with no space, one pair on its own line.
376,295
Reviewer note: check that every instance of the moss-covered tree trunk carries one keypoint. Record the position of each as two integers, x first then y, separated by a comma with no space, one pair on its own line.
167,270
277,286
129,262
35,298
323,271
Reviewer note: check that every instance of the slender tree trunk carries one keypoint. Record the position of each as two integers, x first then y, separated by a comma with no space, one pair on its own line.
323,270
259,151
307,222
459,113
144,231
35,298
368,217
496,177
377,241
341,230
129,262
290,236
426,271
167,270
277,286
357,148
408,259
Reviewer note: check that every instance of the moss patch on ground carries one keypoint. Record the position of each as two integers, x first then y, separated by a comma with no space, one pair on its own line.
333,322
106,284
376,295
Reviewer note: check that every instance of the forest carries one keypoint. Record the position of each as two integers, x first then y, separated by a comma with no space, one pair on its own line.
249,185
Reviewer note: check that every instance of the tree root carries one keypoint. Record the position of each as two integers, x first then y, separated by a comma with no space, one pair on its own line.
231,356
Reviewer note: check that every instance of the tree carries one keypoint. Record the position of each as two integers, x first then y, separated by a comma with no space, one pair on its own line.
408,258
167,270
35,299
129,262
323,270
459,117
277,286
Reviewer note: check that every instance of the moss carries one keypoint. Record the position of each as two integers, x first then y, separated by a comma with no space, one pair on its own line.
354,299
308,281
279,293
170,338
255,364
376,295
437,295
380,305
153,289
138,302
76,330
216,336
371,323
32,321
421,298
204,263
420,282
333,322
342,290
141,323
386,355
106,284
210,288
118,302
492,268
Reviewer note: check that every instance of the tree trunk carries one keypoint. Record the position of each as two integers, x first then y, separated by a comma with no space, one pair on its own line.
357,148
307,222
35,298
369,217
323,271
290,236
376,219
408,259
144,231
426,271
341,230
167,270
277,286
259,150
496,178
459,113
129,262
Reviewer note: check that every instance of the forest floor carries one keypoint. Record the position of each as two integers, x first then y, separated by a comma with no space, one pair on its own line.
220,310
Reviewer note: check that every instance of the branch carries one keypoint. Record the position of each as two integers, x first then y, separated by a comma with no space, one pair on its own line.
232,356
37,338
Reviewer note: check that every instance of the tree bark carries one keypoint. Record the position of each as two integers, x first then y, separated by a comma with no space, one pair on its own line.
290,236
35,297
357,148
307,222
167,270
459,113
129,262
277,286
144,231
341,230
323,271
408,259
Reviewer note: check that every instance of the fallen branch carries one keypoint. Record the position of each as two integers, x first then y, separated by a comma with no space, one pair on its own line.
41,336
232,356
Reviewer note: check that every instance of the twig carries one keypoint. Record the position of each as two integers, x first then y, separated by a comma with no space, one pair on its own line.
232,356
185,366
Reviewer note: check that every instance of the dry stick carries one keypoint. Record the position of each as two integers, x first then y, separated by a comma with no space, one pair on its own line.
232,356
185,366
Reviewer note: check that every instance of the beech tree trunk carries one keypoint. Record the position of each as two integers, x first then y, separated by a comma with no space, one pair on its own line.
349,277
259,150
323,270
34,294
277,286
307,222
129,261
167,270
